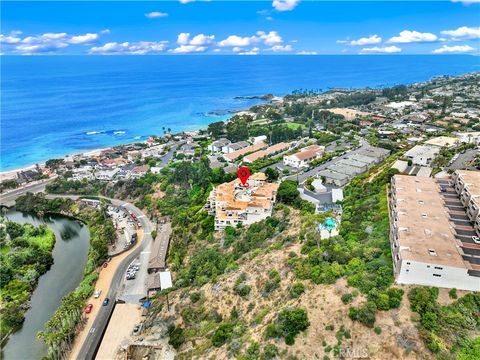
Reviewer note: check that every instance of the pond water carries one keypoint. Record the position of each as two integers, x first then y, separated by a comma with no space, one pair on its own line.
70,257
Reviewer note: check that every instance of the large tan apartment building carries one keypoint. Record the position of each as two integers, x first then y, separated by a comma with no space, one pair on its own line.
233,203
432,239
467,185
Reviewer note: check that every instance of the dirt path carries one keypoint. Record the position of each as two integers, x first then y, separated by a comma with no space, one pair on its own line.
103,283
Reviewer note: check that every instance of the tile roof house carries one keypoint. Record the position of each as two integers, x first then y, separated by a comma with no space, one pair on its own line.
233,203
304,156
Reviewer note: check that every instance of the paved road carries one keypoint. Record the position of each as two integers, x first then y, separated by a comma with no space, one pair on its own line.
305,175
92,342
8,199
168,156
94,338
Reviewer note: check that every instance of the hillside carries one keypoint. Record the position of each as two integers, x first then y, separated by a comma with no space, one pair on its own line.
276,289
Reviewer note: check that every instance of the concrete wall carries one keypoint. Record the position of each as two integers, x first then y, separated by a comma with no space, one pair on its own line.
419,273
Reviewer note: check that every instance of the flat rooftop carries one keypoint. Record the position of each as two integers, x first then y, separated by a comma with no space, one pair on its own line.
472,181
425,233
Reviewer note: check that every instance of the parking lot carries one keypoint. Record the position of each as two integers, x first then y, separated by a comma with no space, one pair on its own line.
134,287
126,229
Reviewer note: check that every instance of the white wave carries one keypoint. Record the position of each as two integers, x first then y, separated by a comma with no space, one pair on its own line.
119,132
94,132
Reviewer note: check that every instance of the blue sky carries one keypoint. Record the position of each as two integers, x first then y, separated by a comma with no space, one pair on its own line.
243,28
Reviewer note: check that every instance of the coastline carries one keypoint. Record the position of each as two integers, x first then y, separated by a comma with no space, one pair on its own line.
11,174
171,97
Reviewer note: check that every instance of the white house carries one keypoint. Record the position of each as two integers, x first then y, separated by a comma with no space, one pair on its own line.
304,157
218,145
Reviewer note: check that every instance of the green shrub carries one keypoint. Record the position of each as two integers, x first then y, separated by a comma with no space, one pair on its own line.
270,352
347,298
296,290
377,330
453,293
175,336
222,334
290,322
195,296
364,314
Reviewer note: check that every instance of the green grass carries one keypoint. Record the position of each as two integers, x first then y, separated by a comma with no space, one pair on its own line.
295,126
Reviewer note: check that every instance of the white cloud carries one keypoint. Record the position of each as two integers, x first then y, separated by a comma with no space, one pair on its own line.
271,38
285,5
235,40
463,32
467,2
183,38
105,31
84,39
45,43
156,14
135,48
12,38
192,45
370,40
303,52
202,39
281,48
445,49
39,48
237,49
187,49
381,50
190,1
407,36
217,50
253,51
342,41
269,18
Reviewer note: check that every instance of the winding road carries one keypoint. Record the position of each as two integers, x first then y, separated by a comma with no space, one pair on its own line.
93,339
97,330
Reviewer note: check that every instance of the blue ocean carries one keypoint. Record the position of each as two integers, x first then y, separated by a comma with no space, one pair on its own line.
52,106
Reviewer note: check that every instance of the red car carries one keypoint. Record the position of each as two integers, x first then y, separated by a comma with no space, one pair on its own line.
88,310
105,264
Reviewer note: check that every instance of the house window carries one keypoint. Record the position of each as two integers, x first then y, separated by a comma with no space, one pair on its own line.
437,275
408,263
438,268
432,252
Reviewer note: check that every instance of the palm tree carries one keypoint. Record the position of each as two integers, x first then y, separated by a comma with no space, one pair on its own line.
169,130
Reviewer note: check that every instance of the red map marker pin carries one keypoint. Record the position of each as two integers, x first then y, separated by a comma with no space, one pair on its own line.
243,174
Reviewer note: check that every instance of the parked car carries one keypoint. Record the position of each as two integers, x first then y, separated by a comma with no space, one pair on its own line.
106,301
476,239
97,293
88,309
105,264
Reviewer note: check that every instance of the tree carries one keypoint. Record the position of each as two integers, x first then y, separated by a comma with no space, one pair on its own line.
288,192
272,174
216,129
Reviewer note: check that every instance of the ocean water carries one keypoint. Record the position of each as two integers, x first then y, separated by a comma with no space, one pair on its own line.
52,106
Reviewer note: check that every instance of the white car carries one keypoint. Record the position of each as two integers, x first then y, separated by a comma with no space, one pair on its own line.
97,293
476,239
